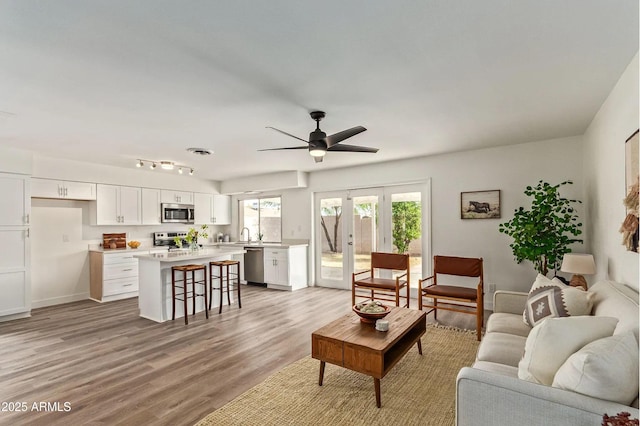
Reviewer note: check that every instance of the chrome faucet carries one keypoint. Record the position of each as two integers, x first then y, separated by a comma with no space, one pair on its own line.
248,233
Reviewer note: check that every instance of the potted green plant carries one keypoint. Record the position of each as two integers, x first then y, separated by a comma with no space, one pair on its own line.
542,235
192,237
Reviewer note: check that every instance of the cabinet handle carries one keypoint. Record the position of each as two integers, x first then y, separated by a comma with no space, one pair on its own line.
66,191
28,233
127,285
122,219
129,269
59,191
28,219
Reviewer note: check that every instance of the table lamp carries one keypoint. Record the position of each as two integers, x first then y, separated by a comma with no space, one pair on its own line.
578,264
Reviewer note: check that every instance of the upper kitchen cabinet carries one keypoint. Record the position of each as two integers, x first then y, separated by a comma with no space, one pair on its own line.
221,210
15,281
49,188
176,197
212,209
117,205
151,212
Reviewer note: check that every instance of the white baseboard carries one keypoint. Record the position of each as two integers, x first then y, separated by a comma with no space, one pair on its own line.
59,300
15,316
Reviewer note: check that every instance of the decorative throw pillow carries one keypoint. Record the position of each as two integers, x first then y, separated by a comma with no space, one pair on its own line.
551,298
550,343
606,368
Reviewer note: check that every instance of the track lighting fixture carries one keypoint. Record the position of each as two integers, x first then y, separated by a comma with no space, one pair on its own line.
164,165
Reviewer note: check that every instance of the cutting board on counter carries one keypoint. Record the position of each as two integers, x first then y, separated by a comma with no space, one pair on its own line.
120,240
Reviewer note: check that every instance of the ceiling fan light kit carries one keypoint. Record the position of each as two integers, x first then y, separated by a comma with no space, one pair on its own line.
319,143
164,165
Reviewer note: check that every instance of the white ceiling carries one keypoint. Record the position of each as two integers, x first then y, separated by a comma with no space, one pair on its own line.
112,81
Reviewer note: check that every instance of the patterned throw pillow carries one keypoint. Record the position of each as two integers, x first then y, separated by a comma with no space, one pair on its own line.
551,298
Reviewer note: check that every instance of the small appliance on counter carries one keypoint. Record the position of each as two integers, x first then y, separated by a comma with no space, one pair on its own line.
226,238
167,239
220,237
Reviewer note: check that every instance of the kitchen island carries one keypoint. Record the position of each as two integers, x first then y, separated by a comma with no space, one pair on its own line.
154,271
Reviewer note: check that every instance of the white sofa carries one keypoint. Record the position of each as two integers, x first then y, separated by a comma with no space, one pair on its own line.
490,392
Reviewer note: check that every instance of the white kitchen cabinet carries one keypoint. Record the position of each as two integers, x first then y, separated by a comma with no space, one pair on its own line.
178,197
203,208
117,205
212,209
15,273
151,212
114,275
221,210
285,268
50,188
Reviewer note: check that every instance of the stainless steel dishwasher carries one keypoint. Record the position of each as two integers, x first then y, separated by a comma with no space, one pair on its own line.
254,265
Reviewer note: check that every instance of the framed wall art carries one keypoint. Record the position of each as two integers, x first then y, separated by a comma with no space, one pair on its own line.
630,228
480,204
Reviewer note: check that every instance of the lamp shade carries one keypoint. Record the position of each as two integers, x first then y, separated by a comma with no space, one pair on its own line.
578,263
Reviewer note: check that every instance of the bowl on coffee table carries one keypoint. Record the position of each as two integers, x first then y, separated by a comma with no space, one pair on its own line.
371,311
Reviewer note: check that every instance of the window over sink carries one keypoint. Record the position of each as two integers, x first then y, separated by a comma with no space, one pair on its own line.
261,216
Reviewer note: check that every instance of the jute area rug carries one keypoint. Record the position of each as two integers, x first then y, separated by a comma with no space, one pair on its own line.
419,390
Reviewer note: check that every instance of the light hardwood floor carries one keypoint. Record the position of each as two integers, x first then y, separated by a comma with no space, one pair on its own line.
114,367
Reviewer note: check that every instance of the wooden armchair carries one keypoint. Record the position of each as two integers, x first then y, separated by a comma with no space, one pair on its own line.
456,298
371,287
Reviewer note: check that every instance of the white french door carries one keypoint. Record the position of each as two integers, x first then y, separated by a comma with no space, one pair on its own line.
353,223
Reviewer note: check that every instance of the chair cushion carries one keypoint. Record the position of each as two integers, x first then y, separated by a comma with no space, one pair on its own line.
502,322
384,283
451,291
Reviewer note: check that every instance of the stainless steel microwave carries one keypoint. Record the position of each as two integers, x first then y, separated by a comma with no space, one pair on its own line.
177,213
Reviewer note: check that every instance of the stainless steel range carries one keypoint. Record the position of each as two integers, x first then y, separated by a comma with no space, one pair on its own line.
167,239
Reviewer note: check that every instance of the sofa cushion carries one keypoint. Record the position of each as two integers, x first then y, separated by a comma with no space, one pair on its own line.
551,298
613,299
554,340
502,348
500,322
606,368
494,367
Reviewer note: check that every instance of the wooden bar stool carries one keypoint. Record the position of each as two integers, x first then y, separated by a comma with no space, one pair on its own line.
185,281
225,276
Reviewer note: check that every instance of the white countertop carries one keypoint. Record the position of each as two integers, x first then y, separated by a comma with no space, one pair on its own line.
182,255
283,244
98,248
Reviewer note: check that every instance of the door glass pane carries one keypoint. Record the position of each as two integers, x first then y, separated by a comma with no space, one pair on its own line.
406,230
366,235
331,229
270,220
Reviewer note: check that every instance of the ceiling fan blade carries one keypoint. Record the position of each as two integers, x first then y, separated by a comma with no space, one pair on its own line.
318,159
288,134
352,148
340,136
289,147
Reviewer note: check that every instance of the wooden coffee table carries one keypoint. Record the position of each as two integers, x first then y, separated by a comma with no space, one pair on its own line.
358,346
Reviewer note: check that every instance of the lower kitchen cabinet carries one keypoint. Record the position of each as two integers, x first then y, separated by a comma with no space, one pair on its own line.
285,268
114,275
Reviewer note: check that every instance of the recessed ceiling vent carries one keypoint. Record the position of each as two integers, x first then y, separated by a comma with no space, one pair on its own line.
200,151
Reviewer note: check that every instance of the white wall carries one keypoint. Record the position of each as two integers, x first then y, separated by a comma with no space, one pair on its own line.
15,161
604,178
56,168
509,168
